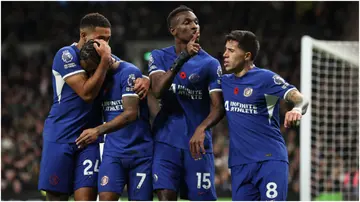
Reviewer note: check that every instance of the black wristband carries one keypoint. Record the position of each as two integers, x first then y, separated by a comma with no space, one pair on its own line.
179,62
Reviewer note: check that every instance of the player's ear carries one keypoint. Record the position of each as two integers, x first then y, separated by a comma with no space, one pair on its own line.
172,31
83,34
248,56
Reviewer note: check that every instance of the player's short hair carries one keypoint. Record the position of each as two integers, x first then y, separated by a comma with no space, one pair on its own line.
88,52
174,12
247,41
93,20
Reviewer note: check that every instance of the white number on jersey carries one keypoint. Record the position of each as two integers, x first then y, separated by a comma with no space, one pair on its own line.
206,184
89,164
271,190
143,176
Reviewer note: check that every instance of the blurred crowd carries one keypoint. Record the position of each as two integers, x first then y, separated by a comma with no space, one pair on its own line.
32,32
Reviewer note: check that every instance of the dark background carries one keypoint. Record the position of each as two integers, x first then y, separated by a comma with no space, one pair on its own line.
32,32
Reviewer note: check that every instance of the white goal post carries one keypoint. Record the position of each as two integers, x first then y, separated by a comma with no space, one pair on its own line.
329,132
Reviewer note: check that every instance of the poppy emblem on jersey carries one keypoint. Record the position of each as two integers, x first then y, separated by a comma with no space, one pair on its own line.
236,90
183,75
193,78
54,179
104,180
131,80
248,92
278,80
66,56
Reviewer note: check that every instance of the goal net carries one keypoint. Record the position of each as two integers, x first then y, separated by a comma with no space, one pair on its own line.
329,132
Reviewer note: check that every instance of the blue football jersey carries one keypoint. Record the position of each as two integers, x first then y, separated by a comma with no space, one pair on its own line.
187,102
252,110
69,114
135,139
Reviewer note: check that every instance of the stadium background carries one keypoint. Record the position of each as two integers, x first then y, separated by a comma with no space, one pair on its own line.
32,32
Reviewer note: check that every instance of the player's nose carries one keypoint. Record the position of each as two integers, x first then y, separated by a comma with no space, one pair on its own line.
194,26
225,55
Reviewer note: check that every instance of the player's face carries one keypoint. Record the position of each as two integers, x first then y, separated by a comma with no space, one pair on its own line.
234,57
185,26
88,65
99,33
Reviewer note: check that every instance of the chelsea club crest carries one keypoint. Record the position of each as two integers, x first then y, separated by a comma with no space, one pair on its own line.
248,91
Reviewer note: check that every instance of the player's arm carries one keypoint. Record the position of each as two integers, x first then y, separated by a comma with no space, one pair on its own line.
131,107
88,88
142,86
130,104
161,81
153,104
301,104
276,86
217,110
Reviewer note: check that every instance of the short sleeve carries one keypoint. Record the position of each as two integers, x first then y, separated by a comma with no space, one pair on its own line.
277,86
115,57
66,62
154,63
215,73
128,77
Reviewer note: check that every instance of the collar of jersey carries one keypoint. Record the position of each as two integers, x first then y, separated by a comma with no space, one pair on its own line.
73,45
250,71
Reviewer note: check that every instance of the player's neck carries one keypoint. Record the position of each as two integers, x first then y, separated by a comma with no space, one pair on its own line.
179,46
243,71
80,44
115,64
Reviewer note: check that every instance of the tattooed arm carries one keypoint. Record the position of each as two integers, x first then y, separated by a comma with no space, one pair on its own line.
293,117
295,97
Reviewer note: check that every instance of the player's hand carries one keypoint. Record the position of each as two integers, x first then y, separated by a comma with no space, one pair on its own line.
193,47
104,49
141,87
87,137
292,118
197,143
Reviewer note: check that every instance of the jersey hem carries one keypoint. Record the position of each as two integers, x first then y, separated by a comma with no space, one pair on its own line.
188,149
73,73
250,162
117,155
160,70
288,92
215,90
130,95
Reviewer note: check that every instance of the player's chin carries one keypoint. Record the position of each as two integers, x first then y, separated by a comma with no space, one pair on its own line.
227,68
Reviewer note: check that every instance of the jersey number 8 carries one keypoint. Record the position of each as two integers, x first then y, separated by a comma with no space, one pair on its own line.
271,190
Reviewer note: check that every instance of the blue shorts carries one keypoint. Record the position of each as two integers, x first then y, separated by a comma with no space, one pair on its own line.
267,180
116,172
64,168
175,169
